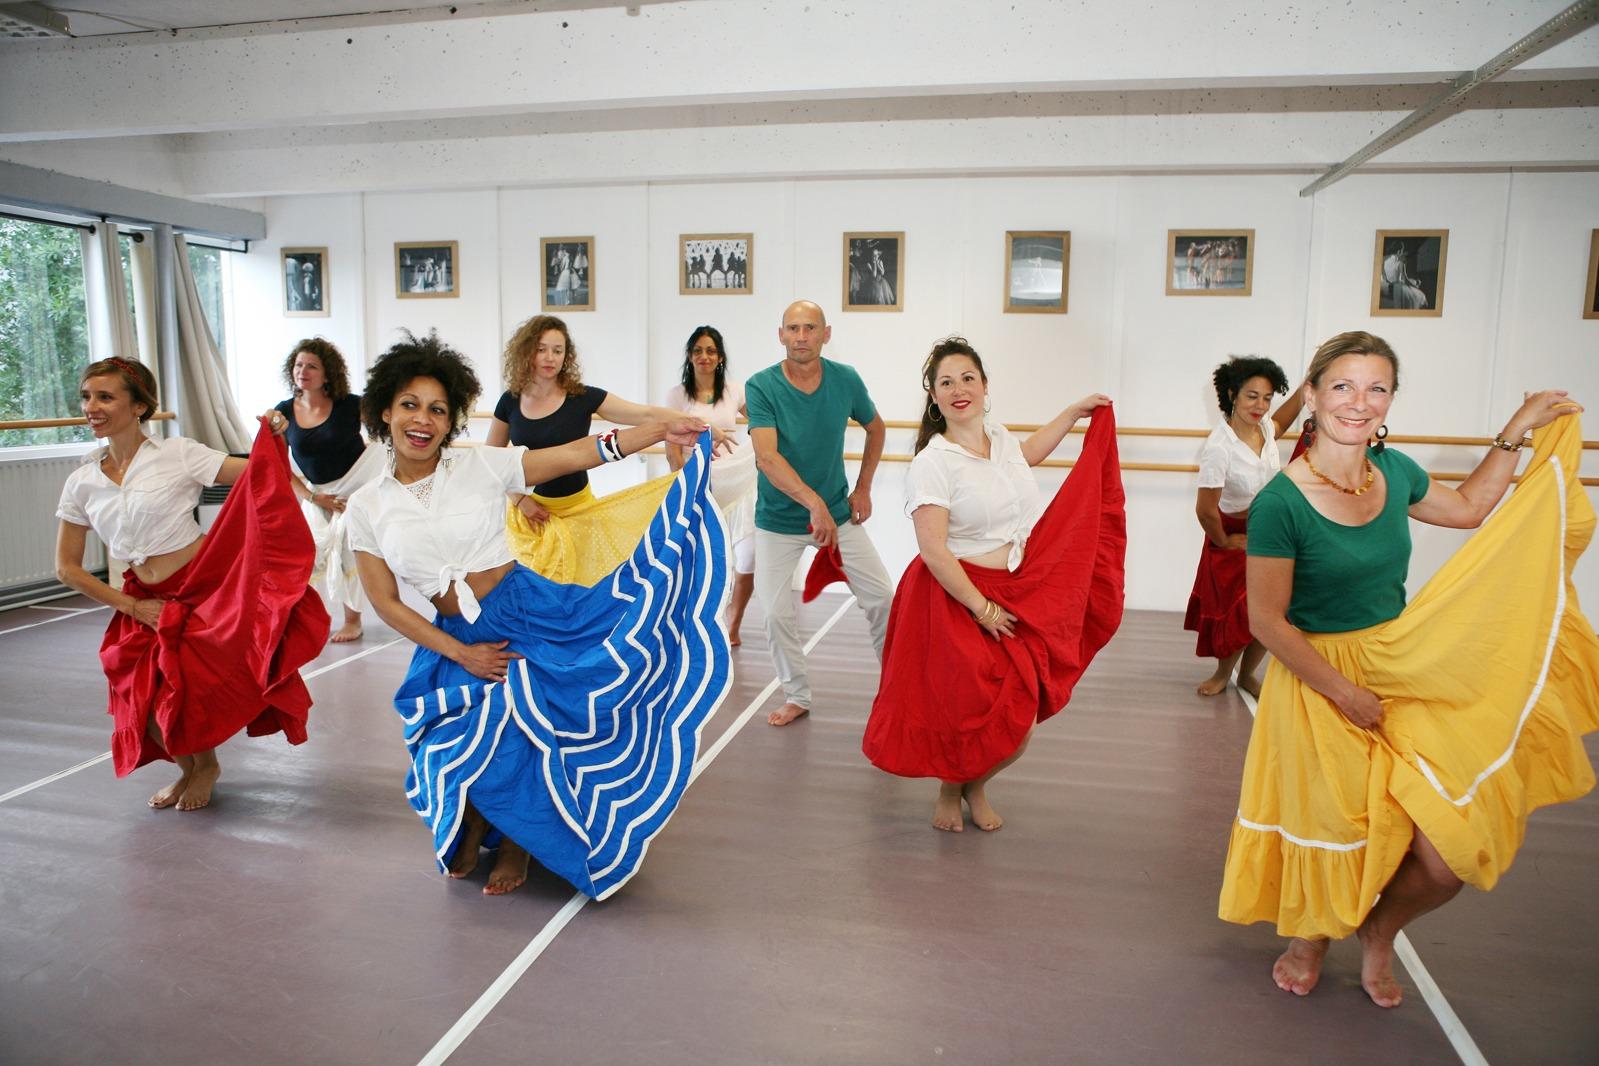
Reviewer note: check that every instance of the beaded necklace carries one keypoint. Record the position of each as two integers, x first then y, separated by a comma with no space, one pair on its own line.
1371,475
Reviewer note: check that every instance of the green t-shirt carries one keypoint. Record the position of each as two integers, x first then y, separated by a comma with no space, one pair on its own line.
810,435
1345,577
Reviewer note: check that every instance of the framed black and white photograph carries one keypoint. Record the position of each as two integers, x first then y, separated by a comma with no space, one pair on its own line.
1037,271
427,269
1590,305
1210,262
1407,272
716,264
874,275
568,273
305,283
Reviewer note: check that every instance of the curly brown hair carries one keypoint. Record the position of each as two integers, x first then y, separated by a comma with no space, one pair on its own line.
337,375
517,366
135,377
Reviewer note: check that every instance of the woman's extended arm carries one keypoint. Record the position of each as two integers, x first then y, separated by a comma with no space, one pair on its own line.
1037,448
542,464
1467,506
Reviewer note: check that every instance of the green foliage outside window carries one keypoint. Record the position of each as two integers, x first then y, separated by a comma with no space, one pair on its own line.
44,339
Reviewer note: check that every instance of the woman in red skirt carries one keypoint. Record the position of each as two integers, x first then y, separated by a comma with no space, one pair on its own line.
1003,608
210,630
1238,459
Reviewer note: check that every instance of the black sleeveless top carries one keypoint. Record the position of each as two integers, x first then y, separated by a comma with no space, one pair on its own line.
325,453
567,423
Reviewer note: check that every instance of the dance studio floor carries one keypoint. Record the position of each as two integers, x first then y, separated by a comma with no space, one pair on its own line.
798,909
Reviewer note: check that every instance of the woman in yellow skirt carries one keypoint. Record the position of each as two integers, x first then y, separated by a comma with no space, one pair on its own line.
560,529
1397,751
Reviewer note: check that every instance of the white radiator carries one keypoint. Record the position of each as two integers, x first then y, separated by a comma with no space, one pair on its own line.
30,488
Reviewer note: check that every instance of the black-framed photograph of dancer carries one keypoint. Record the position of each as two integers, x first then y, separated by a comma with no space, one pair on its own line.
874,275
427,269
305,283
1037,271
568,273
1210,262
1590,305
1407,272
716,264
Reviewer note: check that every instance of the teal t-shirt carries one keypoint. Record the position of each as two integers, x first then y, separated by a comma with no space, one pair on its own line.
810,435
1345,577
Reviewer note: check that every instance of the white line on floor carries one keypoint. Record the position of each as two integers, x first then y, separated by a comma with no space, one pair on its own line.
104,755
464,1025
1448,1020
67,610
47,621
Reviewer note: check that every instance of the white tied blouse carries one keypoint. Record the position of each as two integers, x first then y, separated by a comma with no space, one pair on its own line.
460,531
1229,464
991,502
152,511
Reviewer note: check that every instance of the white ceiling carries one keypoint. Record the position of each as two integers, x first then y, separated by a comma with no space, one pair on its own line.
579,91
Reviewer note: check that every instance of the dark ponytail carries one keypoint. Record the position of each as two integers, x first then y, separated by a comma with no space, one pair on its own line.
932,417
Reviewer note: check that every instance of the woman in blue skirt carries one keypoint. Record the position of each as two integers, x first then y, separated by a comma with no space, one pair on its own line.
557,720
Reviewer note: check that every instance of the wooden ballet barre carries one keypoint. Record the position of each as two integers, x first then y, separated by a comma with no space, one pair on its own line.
58,423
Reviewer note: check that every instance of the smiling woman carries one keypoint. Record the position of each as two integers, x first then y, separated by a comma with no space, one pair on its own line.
604,735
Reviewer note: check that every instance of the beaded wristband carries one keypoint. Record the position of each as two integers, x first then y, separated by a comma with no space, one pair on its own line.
1504,445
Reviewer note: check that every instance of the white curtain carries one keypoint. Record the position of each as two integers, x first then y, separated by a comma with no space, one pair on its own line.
206,407
111,330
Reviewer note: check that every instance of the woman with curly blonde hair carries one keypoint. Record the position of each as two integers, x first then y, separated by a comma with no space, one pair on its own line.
546,404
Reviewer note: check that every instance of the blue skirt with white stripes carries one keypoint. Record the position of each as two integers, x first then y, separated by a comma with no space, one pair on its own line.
583,753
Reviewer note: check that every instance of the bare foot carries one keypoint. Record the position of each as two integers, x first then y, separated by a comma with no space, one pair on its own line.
1214,685
786,714
510,870
197,793
732,638
947,811
169,795
1299,968
464,861
1377,969
984,817
349,631
1250,685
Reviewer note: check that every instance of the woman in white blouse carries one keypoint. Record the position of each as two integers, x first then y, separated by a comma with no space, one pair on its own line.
707,392
973,499
138,494
1239,457
561,747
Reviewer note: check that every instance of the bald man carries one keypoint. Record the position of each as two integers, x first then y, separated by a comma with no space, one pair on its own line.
798,410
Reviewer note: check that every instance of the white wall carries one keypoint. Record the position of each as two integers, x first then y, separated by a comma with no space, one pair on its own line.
1512,317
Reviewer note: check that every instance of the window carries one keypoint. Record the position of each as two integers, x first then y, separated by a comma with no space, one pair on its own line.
44,332
209,278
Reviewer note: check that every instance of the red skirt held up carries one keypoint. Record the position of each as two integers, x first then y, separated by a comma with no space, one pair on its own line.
239,622
1218,609
953,702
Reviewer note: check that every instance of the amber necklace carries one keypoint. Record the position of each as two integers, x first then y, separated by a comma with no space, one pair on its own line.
1371,475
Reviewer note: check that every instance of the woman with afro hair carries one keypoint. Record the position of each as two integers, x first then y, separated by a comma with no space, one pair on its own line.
1238,459
560,721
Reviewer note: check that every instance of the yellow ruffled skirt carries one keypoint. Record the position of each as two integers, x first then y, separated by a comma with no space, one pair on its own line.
1489,679
586,536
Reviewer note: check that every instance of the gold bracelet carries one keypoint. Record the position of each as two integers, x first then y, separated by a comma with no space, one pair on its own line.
1504,445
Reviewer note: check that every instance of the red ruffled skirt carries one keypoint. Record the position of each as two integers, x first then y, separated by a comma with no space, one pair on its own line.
239,622
1218,608
953,702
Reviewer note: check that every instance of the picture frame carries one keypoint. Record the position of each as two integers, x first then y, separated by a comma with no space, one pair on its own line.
305,282
1590,305
1210,262
715,264
1037,271
567,265
874,271
1407,273
427,270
